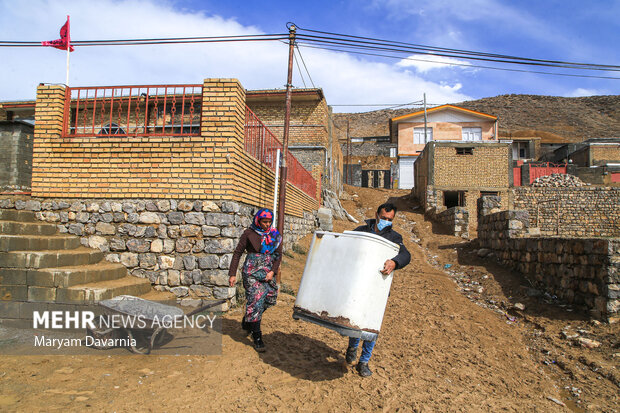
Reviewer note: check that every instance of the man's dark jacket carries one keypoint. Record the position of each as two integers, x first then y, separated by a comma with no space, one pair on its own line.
389,234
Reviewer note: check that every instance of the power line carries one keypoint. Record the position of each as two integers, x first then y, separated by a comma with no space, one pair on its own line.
172,40
306,67
299,69
461,64
371,40
399,49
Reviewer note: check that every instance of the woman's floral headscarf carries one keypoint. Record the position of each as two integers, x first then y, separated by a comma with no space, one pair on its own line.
271,238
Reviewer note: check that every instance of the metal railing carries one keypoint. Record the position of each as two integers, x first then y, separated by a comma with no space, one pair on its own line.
149,110
262,144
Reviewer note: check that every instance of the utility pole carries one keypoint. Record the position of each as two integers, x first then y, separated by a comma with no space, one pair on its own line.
425,132
287,120
349,173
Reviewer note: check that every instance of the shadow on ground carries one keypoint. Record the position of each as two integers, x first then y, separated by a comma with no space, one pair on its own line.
515,286
300,356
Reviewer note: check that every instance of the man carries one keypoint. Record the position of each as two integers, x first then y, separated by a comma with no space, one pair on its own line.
381,225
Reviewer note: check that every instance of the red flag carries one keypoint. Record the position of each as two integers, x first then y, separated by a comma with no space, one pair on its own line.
64,41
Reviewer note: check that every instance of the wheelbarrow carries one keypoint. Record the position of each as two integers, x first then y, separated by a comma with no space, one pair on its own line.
144,333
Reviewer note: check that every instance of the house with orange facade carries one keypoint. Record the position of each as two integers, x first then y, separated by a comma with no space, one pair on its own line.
413,131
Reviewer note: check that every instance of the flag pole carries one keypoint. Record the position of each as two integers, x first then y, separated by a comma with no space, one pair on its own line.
67,81
68,49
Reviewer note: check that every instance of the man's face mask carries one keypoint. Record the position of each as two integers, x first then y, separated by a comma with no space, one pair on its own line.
383,224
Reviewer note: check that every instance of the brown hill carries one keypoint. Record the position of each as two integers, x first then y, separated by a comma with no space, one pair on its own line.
573,119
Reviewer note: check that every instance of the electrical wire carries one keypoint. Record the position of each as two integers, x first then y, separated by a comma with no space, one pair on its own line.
172,40
398,49
460,64
372,40
304,62
299,69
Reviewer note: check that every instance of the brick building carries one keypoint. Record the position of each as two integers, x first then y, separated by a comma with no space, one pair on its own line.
370,161
441,123
312,139
161,179
457,174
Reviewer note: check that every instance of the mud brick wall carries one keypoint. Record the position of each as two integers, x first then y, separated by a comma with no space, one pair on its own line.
583,211
487,167
15,156
456,220
183,246
584,272
601,154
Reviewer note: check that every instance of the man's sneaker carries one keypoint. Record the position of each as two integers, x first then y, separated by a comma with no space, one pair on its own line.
351,355
363,370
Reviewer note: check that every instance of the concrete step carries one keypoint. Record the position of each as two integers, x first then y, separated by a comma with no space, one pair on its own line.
38,242
50,258
62,276
27,228
103,290
17,215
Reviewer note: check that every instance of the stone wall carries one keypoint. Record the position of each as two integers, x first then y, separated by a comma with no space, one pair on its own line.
15,156
456,220
184,246
369,148
584,272
572,212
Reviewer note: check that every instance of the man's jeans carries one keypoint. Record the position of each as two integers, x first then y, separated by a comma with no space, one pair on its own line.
366,348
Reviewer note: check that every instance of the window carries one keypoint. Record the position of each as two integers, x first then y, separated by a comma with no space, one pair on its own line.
464,151
472,134
453,199
519,150
392,152
418,136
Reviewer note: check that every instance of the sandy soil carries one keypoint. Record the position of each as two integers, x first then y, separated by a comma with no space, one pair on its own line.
449,342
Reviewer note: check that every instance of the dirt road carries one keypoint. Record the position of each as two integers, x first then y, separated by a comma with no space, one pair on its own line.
441,348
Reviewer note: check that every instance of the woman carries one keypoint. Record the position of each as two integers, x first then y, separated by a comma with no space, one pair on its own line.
264,253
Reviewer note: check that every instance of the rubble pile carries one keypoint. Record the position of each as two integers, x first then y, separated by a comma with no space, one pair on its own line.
558,181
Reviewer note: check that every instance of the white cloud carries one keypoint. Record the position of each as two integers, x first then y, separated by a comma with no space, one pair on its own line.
584,92
258,65
426,63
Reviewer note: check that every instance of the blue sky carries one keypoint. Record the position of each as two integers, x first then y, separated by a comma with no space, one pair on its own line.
556,30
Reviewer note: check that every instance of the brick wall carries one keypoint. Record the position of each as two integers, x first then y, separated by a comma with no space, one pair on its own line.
579,212
211,166
439,168
310,126
601,154
487,167
15,156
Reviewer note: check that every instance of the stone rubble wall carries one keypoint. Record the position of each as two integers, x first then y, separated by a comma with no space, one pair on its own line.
584,272
583,211
456,220
180,246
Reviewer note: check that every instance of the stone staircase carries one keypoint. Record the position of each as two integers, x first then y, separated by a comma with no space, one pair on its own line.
37,264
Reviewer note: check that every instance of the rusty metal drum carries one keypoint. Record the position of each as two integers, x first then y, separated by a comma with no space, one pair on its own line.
342,287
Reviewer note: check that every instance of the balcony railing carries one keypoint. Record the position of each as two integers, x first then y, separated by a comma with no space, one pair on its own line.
152,110
261,143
